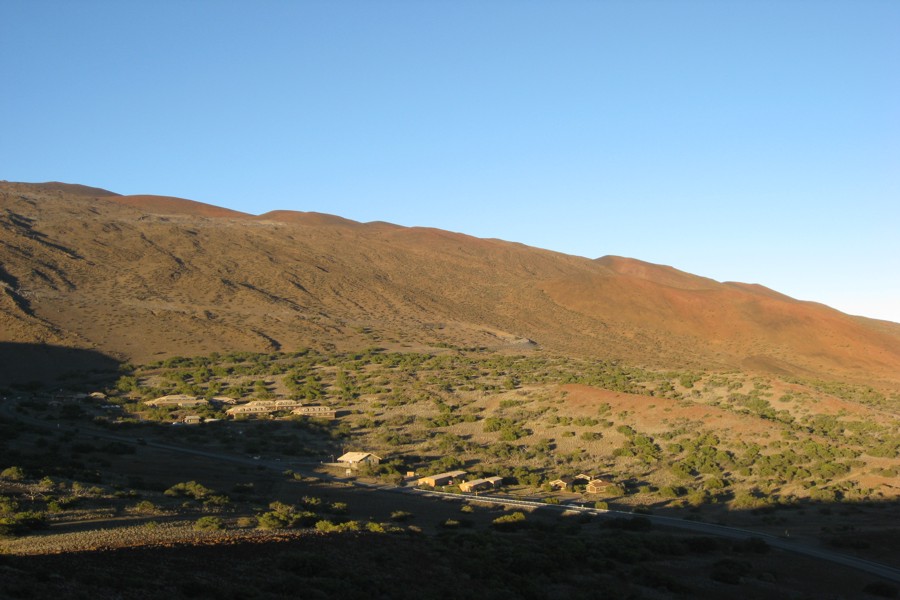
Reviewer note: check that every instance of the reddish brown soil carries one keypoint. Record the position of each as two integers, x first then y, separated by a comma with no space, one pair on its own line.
141,277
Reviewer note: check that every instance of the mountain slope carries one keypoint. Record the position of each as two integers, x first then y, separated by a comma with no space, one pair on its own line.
141,276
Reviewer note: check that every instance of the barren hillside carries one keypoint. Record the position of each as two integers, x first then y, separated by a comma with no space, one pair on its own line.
149,276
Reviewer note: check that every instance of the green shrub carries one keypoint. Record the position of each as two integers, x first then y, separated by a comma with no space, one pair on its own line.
8,505
190,489
145,507
374,527
510,521
338,508
209,522
272,520
13,474
670,491
20,523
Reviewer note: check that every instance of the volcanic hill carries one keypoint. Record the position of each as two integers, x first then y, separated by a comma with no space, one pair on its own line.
142,277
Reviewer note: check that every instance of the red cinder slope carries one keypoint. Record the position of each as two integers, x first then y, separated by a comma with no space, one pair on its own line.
755,326
145,276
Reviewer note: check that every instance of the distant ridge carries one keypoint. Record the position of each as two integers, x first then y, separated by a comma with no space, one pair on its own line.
72,188
159,205
317,219
177,206
85,268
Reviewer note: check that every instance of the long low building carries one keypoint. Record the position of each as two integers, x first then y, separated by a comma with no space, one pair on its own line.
324,412
448,478
263,407
487,483
568,481
177,400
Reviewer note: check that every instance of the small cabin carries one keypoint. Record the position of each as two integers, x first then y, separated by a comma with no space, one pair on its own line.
355,459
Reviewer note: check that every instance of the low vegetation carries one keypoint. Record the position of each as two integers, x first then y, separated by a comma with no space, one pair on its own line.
727,447
513,415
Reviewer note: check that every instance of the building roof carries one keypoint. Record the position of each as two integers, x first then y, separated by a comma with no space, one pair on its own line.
599,483
178,399
475,483
353,457
303,410
447,475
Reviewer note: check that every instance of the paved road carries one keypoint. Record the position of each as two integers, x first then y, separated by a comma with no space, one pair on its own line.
780,543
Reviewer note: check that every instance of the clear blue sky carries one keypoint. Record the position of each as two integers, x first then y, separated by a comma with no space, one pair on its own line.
754,140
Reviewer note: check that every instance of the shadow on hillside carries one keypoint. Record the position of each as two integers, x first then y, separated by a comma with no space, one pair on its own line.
41,366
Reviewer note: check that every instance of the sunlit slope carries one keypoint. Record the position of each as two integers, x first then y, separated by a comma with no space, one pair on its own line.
142,276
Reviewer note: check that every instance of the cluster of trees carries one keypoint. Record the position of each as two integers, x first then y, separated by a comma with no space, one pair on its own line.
510,429
28,509
638,445
325,517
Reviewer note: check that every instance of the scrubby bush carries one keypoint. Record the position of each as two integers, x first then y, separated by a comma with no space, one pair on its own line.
8,505
209,522
326,526
272,520
190,489
670,491
337,508
145,507
13,474
510,521
20,523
